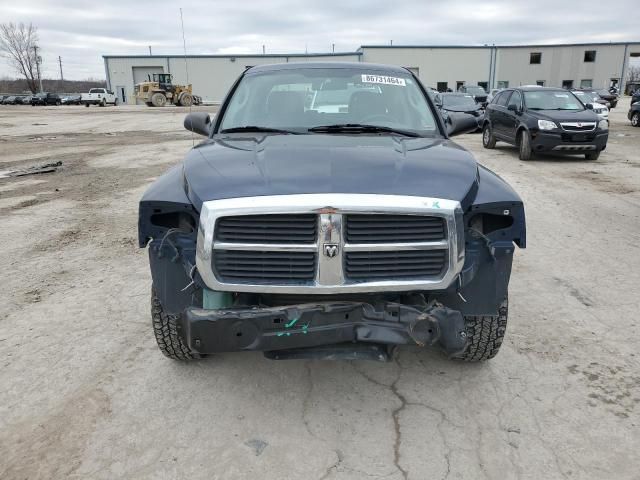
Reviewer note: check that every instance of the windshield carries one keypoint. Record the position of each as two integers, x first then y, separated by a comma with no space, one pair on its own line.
587,97
552,100
458,101
476,90
304,98
96,90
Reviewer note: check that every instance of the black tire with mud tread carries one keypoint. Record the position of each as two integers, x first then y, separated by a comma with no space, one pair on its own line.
524,145
166,332
485,334
488,140
592,155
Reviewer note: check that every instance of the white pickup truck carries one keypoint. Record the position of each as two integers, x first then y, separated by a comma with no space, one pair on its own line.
99,96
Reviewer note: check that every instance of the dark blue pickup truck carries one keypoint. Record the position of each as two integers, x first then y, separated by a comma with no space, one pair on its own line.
327,214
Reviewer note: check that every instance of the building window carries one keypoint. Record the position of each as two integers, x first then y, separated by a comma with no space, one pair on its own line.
586,83
483,85
535,58
567,84
589,55
503,83
442,86
540,83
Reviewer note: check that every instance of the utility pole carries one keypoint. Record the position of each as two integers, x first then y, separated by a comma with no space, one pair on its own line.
35,51
333,48
150,53
61,75
263,50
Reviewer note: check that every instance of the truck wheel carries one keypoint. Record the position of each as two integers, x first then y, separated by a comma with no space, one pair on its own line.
488,140
158,100
186,100
635,119
524,146
103,103
115,102
485,334
166,332
592,155
86,104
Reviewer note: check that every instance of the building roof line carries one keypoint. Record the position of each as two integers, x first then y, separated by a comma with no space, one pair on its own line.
243,55
537,45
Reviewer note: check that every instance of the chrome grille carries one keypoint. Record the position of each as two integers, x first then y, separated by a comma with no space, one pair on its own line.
245,266
393,228
578,126
277,229
329,243
396,265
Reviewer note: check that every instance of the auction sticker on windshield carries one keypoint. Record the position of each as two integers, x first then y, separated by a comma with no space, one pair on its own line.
383,79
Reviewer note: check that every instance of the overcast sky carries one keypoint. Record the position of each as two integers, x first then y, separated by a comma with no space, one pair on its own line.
82,31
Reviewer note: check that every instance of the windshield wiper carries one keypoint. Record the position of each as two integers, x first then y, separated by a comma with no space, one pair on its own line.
255,128
360,128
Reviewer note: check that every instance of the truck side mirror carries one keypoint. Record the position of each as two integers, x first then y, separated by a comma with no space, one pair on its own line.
589,106
198,122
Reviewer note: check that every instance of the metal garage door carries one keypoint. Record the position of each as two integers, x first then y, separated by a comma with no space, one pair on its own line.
140,74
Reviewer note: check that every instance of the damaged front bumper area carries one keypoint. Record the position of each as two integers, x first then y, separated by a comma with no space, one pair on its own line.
290,331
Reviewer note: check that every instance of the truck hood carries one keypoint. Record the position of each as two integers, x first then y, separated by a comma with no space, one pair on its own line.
241,165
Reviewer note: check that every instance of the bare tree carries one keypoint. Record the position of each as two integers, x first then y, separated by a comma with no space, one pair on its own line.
19,43
634,73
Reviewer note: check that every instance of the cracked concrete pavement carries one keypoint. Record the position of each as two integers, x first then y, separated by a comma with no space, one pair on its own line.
86,394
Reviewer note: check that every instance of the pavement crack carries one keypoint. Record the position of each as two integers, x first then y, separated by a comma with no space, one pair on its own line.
307,400
396,423
334,466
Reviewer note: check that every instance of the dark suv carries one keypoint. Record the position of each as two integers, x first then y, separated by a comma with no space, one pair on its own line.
538,119
46,99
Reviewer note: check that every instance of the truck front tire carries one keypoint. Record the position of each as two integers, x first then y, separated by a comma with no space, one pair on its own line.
158,100
485,334
165,330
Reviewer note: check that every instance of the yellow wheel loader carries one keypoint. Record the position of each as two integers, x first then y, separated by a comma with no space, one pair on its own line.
160,90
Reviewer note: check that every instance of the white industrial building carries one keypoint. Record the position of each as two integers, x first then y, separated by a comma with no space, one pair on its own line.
596,65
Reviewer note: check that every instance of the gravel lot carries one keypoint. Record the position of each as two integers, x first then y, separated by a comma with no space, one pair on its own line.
86,394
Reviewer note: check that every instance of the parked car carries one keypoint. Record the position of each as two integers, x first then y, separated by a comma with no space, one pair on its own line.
460,103
23,100
99,96
634,114
590,97
635,96
608,96
544,120
493,93
72,100
46,98
9,100
329,235
478,93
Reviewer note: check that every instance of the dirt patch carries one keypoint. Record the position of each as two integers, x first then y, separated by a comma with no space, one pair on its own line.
605,183
52,446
